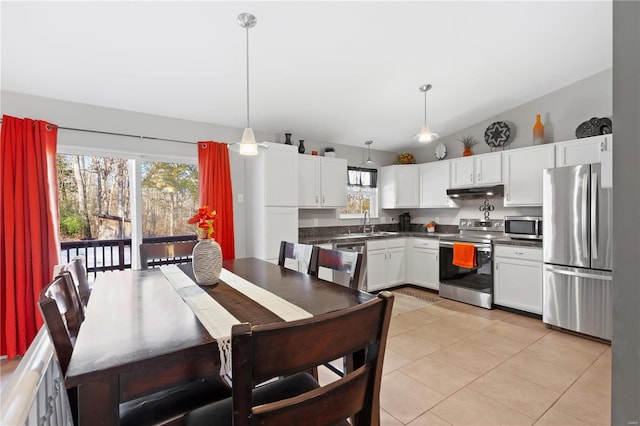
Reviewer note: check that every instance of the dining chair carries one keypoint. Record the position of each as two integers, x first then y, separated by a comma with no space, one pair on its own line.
78,270
290,349
61,317
347,264
60,308
299,254
156,254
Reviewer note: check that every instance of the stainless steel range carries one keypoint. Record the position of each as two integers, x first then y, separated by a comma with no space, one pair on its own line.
470,284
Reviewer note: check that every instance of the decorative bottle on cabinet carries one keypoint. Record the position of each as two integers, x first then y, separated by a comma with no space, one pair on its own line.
301,146
287,139
538,131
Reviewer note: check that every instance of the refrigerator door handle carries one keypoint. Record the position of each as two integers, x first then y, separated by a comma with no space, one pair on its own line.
581,274
594,212
585,182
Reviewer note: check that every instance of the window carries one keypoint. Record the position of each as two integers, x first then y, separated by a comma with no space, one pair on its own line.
93,197
169,198
362,193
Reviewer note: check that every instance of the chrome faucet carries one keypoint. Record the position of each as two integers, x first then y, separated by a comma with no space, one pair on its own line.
364,222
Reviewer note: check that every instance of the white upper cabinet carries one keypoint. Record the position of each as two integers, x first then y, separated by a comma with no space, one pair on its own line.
400,186
278,167
434,182
333,184
523,174
583,151
476,170
322,182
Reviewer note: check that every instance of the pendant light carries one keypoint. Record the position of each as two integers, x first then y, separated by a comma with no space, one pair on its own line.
247,145
425,134
369,161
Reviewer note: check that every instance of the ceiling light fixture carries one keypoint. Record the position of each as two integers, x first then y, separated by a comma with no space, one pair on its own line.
425,134
247,145
369,161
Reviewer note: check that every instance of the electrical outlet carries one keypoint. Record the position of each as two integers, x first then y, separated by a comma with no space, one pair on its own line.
315,222
436,219
240,198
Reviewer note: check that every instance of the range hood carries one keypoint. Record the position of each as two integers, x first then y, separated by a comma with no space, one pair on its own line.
476,192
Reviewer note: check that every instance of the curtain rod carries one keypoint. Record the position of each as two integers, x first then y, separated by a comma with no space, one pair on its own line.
119,134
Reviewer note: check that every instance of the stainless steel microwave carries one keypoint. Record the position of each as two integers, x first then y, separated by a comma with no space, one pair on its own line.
525,227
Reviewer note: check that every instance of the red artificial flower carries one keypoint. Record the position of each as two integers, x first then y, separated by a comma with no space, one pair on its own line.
204,219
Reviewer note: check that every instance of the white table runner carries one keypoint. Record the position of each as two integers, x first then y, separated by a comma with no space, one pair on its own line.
215,318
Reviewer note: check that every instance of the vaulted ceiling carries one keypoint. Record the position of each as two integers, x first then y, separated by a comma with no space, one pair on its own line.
341,72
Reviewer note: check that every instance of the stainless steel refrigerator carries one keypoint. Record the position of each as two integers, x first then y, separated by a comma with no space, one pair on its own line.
577,250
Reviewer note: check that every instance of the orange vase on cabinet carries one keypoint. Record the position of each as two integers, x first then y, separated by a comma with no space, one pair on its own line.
467,151
538,131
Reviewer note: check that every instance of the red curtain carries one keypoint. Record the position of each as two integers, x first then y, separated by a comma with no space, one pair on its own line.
29,238
215,191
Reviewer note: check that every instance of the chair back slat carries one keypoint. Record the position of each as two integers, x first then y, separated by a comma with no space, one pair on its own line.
347,262
281,349
78,270
301,253
156,254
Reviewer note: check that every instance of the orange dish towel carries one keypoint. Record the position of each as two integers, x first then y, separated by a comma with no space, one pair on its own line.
464,255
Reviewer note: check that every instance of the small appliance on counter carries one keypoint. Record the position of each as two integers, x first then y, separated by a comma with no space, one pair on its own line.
404,222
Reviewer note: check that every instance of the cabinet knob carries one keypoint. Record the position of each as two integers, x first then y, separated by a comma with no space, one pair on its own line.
497,266
479,178
471,177
316,199
323,199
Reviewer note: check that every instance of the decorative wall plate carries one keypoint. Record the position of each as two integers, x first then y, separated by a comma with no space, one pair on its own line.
497,134
441,151
593,127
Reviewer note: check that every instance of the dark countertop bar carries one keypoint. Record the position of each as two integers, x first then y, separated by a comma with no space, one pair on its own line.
358,237
506,241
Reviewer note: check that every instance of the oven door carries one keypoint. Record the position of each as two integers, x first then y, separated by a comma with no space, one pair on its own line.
478,279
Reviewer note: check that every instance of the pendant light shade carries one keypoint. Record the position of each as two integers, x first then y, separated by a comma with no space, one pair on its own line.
426,135
247,145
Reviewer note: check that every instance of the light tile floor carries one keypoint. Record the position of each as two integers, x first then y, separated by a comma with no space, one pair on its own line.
450,363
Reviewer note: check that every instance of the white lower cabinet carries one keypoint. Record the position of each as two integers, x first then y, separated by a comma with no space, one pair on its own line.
385,263
517,278
423,262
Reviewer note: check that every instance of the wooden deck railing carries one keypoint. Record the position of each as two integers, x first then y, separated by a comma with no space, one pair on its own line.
108,255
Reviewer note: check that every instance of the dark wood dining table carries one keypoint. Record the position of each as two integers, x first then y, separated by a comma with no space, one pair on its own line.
139,336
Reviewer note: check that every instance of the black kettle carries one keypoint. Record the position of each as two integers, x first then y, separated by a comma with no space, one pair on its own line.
404,222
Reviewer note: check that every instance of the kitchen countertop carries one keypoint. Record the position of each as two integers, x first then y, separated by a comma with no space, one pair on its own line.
359,237
506,241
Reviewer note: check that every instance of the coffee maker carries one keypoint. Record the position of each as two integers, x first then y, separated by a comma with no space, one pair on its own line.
404,222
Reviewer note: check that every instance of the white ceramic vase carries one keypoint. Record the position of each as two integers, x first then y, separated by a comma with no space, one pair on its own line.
207,262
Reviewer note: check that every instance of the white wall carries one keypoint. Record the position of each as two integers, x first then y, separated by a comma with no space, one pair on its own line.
561,113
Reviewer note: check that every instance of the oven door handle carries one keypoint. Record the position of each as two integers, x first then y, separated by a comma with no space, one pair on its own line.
480,247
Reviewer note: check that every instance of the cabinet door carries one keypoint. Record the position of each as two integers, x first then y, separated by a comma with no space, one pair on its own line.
281,175
426,269
407,185
462,172
376,270
582,151
308,181
395,266
333,182
523,174
488,169
518,284
434,182
281,224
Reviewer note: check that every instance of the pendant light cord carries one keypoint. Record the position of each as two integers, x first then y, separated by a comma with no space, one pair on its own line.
425,107
248,123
